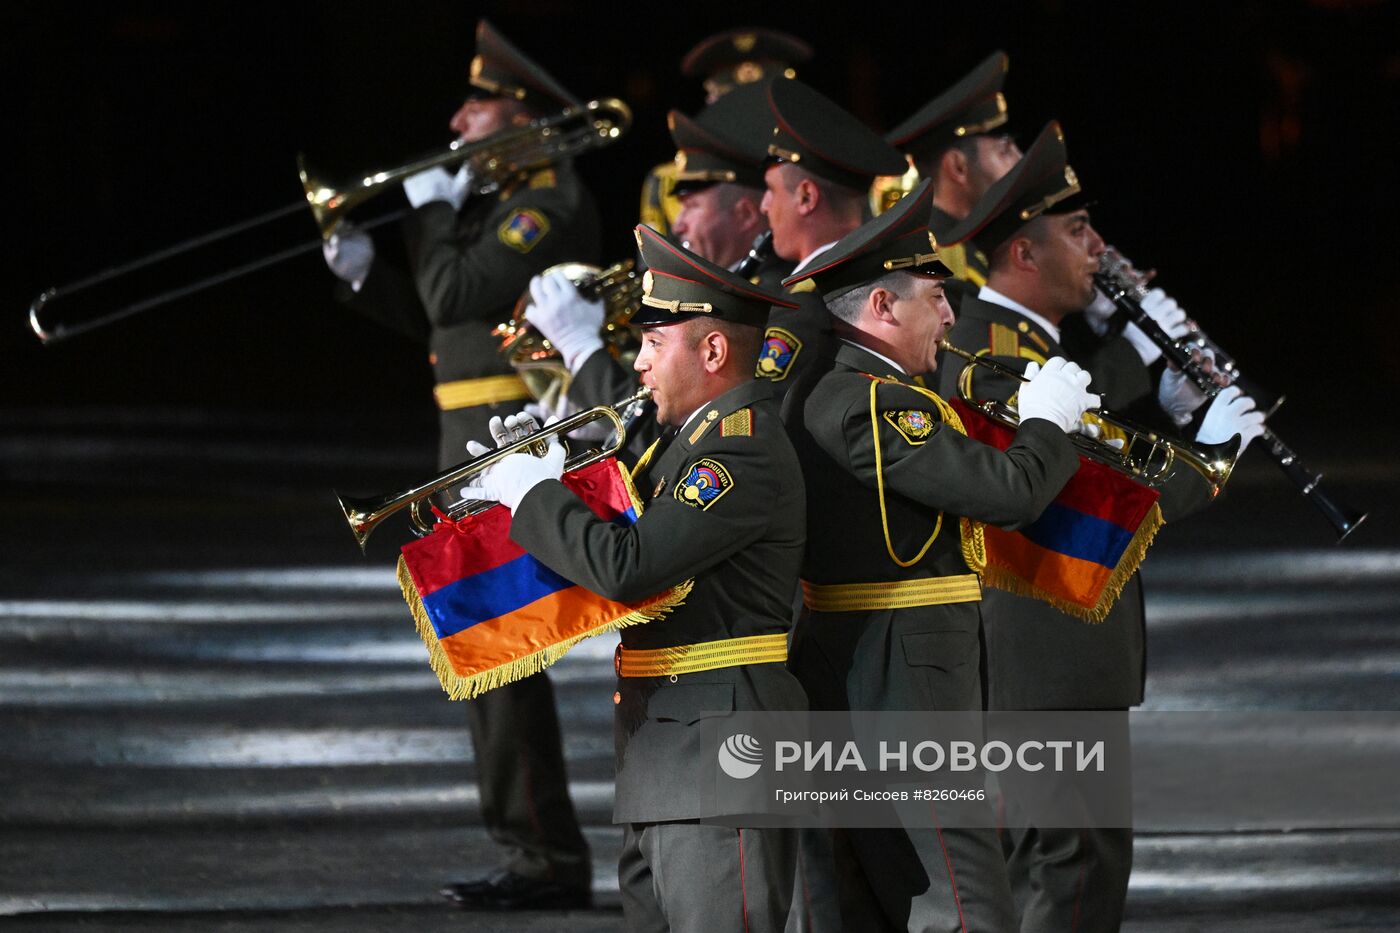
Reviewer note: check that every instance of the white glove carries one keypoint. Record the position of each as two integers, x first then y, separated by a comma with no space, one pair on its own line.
436,185
1167,314
349,252
508,481
1056,393
1231,413
571,322
1177,393
1099,311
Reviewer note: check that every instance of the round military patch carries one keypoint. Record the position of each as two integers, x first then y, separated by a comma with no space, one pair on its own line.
704,484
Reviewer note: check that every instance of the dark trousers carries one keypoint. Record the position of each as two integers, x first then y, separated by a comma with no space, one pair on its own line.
687,877
524,788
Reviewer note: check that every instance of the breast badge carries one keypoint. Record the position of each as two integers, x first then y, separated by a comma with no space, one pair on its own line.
704,484
780,348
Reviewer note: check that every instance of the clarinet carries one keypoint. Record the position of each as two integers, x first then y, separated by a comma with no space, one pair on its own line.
759,253
1116,280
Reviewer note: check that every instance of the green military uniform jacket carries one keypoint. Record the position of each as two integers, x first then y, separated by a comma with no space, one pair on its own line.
468,268
1037,656
923,657
969,265
742,548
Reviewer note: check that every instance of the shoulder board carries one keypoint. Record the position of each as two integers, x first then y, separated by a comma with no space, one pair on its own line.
955,258
806,285
544,178
737,424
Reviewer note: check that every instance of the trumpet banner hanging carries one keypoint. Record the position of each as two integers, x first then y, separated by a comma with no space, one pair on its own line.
1086,544
491,614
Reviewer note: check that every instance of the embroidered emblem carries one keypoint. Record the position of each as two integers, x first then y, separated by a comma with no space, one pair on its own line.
738,424
523,230
913,426
780,348
704,484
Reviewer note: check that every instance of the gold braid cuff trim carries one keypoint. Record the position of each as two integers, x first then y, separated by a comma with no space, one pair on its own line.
895,594
466,687
995,576
488,390
705,656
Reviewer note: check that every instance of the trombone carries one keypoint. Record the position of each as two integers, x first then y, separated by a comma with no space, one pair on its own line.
1145,455
364,514
494,160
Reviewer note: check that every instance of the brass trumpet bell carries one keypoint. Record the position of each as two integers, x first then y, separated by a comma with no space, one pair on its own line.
365,514
1144,455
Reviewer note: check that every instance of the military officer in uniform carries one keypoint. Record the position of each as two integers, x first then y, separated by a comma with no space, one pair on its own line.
725,62
1044,252
821,163
719,183
724,509
895,490
960,142
471,256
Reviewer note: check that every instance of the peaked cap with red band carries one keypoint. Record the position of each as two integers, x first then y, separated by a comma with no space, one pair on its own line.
679,285
813,132
502,69
1041,183
898,239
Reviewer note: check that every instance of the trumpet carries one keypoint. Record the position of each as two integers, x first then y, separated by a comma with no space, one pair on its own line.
537,360
365,514
1126,291
1145,455
494,160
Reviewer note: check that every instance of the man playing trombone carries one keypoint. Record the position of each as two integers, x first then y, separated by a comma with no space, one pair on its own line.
471,253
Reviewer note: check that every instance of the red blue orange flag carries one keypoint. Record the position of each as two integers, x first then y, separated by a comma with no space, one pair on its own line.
1081,551
491,614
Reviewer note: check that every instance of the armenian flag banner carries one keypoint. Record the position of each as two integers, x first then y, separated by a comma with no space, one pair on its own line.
491,614
1081,551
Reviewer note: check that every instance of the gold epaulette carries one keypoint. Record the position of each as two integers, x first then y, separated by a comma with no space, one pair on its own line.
738,424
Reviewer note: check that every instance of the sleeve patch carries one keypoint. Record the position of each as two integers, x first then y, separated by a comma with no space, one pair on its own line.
738,424
913,426
775,359
523,229
704,484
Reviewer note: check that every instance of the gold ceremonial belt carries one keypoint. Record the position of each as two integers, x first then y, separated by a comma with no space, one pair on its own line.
898,594
488,390
706,656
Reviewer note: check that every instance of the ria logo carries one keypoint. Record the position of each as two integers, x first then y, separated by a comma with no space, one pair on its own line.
740,756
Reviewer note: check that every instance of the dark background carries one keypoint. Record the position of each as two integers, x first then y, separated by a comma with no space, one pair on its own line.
1246,150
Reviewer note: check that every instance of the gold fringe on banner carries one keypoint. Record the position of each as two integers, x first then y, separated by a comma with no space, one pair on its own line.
459,687
1001,579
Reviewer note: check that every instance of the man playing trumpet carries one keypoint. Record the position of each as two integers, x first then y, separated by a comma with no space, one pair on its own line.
724,509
